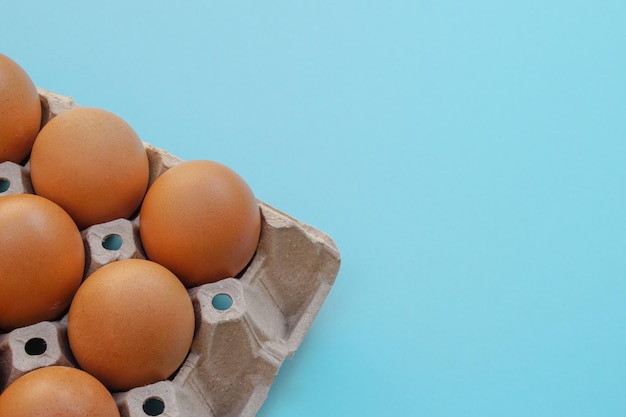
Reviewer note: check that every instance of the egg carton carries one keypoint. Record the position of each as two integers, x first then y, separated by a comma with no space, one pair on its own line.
246,326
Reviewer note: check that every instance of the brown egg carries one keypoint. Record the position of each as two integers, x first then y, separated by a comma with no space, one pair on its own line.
200,220
42,262
57,391
20,111
91,163
131,323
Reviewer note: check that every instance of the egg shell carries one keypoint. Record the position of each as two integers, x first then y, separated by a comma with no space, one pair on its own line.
91,163
57,391
20,111
42,262
131,323
200,219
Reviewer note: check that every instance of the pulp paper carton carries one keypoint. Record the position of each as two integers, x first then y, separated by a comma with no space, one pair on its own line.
246,326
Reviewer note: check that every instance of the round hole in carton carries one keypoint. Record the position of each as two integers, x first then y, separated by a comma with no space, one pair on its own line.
4,185
222,302
112,242
36,346
153,406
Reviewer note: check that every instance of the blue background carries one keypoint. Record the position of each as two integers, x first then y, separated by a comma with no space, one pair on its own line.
468,158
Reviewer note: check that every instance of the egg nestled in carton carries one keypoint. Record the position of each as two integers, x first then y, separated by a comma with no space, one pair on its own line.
213,339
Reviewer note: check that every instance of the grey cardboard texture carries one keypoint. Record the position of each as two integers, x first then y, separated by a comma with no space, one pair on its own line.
238,349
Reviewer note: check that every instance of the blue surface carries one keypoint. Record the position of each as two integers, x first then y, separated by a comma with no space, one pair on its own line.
467,157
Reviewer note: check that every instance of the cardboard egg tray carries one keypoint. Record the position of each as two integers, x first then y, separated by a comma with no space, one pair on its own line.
237,348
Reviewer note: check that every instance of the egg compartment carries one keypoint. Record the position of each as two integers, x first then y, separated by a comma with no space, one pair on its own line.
246,326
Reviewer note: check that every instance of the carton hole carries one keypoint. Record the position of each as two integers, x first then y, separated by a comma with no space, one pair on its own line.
112,242
222,302
153,406
4,185
35,346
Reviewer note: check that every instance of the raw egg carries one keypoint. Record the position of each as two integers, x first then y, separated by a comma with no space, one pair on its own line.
130,324
57,391
201,220
42,261
20,111
91,163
